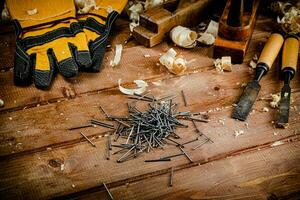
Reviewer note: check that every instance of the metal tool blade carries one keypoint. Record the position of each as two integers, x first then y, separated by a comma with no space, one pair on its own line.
284,106
246,101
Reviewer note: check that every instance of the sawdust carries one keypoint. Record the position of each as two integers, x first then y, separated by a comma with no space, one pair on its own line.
238,132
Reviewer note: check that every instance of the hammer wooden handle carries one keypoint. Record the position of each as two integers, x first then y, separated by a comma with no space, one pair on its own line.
290,53
271,49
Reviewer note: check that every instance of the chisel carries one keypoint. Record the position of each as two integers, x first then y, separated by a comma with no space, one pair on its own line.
265,62
288,69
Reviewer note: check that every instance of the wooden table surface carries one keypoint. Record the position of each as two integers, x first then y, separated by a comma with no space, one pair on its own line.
41,159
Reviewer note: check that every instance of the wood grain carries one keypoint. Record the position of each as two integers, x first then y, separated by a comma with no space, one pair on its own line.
34,140
265,174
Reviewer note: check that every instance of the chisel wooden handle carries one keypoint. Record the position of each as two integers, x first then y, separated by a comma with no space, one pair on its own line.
271,50
290,54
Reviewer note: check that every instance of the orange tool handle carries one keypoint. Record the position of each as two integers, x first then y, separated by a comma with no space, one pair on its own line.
271,49
290,54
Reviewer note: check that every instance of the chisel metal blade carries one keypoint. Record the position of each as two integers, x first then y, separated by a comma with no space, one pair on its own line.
246,101
284,107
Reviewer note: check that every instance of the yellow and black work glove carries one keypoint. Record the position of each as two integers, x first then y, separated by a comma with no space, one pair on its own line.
49,39
97,24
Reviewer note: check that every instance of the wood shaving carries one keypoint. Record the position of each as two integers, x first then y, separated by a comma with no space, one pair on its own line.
62,167
206,38
222,121
238,133
209,36
252,64
5,15
85,6
243,85
32,11
218,65
288,16
1,103
213,28
226,63
277,143
176,65
253,61
275,100
118,55
141,87
265,109
223,64
134,11
183,37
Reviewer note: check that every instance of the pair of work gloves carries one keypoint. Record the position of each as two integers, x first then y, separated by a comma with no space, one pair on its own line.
52,38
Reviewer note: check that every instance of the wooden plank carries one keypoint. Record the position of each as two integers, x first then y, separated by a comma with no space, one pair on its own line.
32,173
133,66
204,91
221,90
267,174
85,168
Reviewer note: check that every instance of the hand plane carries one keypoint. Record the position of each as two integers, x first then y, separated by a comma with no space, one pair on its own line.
156,22
236,26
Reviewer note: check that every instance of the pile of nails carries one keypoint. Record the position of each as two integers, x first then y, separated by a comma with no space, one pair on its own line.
145,130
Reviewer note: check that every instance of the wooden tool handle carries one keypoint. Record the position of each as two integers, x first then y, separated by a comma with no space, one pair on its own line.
271,50
290,53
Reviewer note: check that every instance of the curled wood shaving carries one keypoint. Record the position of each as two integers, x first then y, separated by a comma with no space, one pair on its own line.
288,16
134,12
175,65
209,36
183,37
84,6
1,103
141,87
206,38
5,15
117,57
